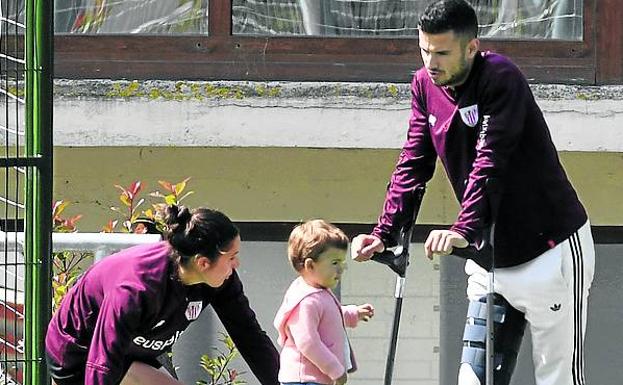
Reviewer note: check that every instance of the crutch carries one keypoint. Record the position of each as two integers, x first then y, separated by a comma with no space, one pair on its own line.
398,260
493,196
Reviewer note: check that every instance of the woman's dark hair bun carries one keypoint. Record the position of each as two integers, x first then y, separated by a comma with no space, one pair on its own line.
177,217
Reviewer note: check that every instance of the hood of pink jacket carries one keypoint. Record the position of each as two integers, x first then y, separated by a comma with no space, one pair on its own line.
298,290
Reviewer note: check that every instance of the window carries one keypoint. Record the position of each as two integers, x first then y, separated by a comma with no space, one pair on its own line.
131,17
549,19
568,41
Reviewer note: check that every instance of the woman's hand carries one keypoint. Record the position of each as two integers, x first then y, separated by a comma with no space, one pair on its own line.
365,312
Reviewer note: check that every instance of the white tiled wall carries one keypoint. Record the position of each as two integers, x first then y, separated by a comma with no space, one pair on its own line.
418,341
266,275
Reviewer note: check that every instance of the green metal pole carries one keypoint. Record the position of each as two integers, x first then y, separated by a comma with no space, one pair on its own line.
29,311
38,244
45,33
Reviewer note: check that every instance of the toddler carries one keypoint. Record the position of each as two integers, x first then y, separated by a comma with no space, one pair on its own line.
311,320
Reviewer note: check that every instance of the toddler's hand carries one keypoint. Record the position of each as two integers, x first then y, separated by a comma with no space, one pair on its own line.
365,312
341,380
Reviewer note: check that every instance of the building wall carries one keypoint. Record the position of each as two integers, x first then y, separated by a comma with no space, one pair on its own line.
290,184
291,151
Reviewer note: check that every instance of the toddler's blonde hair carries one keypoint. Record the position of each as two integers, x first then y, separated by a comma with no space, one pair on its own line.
312,238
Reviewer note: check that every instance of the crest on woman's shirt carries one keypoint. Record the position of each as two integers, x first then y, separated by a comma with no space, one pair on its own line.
193,310
469,115
432,119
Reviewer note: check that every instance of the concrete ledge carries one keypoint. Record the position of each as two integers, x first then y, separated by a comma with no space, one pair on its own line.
240,90
289,114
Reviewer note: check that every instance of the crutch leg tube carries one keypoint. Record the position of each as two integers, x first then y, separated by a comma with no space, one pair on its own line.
398,260
492,190
490,344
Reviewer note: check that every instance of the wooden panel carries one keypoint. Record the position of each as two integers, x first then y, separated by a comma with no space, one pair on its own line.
292,59
195,48
573,72
219,17
609,48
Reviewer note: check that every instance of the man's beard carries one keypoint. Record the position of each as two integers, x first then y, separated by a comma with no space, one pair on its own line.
457,78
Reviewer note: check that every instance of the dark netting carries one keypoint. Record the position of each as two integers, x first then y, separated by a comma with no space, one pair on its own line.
25,166
12,198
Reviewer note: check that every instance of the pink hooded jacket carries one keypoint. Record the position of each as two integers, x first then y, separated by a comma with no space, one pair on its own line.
311,324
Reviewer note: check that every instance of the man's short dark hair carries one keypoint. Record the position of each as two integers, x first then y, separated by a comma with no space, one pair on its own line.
443,16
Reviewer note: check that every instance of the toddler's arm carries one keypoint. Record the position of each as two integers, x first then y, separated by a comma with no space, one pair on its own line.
355,313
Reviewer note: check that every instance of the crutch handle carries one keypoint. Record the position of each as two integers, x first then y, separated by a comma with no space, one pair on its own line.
397,260
482,257
466,252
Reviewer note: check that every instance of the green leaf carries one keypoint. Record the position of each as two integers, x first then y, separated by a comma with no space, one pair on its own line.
125,200
170,199
180,187
59,206
72,280
229,343
185,195
218,368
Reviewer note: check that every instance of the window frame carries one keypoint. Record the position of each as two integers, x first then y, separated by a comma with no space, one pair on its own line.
223,56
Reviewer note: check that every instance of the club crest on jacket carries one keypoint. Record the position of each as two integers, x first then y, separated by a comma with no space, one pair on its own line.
193,310
469,115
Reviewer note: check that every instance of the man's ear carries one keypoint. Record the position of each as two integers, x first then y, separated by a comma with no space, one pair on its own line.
472,48
309,264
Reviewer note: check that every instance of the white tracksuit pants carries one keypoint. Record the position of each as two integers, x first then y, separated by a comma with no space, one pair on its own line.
552,291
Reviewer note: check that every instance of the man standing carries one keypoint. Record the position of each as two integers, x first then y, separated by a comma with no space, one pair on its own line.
475,111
